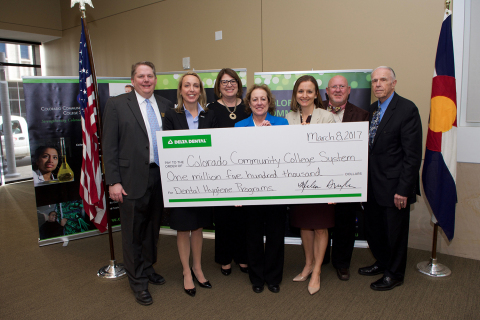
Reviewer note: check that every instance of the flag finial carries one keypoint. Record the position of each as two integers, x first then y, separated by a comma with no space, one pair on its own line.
82,4
447,6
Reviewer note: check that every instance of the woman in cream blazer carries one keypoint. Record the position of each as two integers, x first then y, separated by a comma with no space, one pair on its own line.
312,219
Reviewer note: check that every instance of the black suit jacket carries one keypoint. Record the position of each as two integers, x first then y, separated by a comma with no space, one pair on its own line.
178,121
125,143
352,113
174,120
396,152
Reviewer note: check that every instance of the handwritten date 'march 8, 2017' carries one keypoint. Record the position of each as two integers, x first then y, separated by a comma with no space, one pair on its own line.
318,163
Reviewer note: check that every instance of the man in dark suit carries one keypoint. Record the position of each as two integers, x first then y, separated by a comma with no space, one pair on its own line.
343,238
395,154
132,173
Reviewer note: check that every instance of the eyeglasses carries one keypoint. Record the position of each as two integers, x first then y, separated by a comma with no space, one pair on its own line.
335,87
225,83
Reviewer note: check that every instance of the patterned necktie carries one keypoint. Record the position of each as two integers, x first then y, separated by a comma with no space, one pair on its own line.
374,126
154,127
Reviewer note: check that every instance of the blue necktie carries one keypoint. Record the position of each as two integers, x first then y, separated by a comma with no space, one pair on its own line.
154,127
374,126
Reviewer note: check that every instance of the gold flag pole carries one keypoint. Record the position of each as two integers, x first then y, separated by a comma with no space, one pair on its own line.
113,270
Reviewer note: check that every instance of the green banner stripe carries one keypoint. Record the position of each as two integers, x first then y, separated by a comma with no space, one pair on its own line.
316,196
170,81
357,80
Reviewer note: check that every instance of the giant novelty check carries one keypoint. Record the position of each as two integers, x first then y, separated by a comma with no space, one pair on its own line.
316,163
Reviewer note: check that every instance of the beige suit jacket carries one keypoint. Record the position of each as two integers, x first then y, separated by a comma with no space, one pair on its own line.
318,116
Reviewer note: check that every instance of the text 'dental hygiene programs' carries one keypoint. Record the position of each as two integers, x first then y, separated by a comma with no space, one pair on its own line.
317,163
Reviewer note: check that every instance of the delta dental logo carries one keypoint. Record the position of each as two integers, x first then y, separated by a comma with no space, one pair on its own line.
197,141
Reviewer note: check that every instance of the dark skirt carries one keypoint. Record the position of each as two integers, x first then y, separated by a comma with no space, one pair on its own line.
185,219
312,216
230,235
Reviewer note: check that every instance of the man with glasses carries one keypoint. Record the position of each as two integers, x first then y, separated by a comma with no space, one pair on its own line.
343,237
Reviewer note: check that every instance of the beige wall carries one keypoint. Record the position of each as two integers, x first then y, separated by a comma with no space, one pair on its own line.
103,10
157,32
280,35
466,242
31,16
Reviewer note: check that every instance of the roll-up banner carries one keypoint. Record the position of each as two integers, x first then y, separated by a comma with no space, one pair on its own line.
281,84
55,131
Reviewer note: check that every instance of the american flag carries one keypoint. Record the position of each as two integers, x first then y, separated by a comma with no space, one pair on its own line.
91,186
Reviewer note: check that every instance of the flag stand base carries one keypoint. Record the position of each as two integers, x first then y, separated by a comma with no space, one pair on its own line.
113,271
433,269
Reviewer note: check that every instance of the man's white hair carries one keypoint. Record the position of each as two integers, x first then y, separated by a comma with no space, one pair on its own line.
385,67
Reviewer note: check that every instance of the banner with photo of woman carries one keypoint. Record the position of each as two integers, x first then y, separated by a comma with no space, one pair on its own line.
55,132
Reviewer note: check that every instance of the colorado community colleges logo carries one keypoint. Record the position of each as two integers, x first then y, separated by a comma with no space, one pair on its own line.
197,141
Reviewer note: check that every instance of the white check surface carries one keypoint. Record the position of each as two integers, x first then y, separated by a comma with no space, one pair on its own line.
316,163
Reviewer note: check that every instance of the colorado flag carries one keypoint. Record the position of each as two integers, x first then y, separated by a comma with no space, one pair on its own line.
440,166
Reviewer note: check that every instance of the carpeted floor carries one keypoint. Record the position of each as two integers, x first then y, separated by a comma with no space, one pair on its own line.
56,282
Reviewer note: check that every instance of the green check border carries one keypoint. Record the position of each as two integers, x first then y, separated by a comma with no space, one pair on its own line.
315,196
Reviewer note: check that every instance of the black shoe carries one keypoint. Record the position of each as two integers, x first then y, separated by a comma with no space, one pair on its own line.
190,292
155,278
372,270
257,289
244,270
385,283
143,297
205,284
343,274
226,272
274,288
